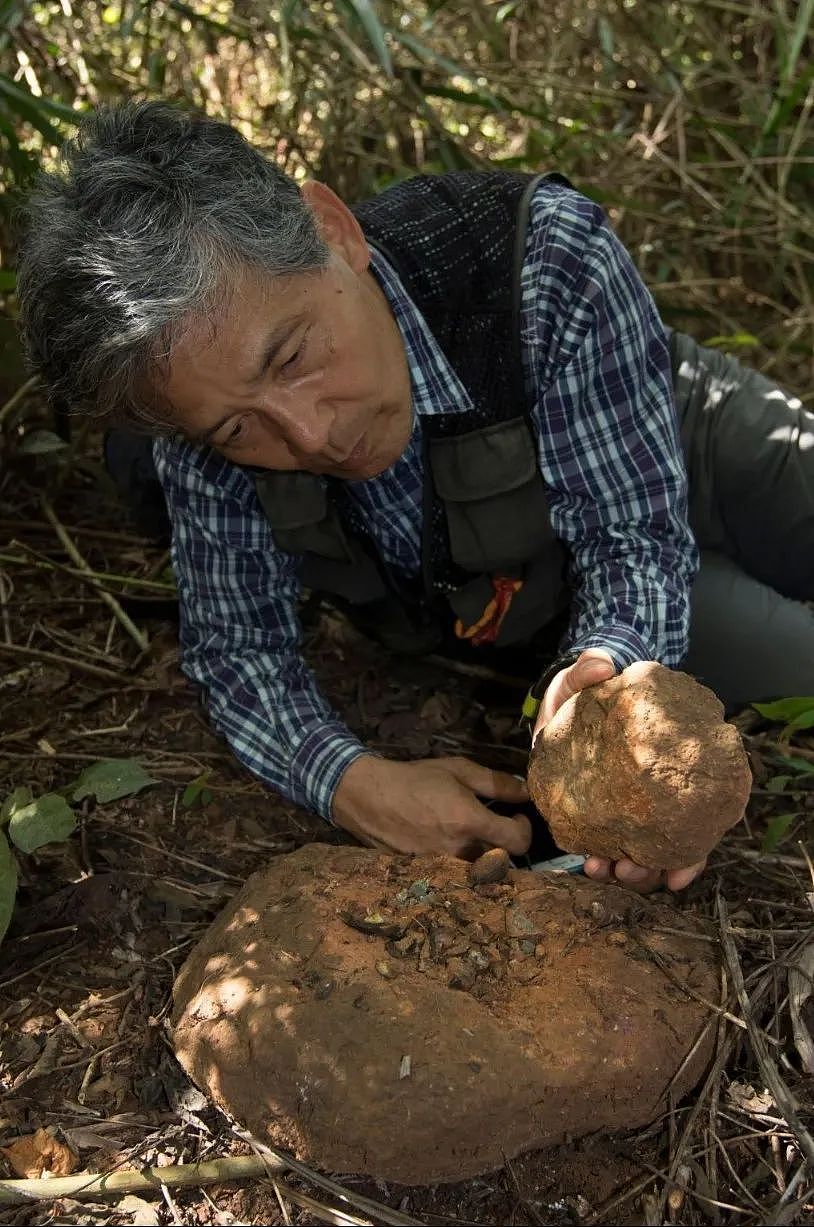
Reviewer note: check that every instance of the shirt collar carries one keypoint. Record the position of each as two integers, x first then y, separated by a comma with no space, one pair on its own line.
436,388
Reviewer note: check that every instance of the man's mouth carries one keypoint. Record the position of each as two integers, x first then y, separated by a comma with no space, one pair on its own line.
357,453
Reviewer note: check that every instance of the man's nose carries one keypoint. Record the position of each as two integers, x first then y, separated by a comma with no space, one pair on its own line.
300,423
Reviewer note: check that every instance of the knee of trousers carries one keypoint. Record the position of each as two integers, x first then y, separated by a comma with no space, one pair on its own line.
747,642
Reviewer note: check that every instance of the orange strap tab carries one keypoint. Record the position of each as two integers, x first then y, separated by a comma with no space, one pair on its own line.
487,627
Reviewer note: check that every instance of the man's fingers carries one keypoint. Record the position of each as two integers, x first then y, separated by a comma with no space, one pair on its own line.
597,868
593,666
677,879
513,834
637,877
498,785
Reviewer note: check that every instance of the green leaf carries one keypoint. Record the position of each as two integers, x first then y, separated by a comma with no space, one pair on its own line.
197,790
605,31
34,110
505,11
15,801
365,14
784,710
40,443
8,884
777,783
8,280
739,340
47,820
112,779
802,766
776,829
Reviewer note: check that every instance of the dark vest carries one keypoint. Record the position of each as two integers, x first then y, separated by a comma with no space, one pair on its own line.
458,243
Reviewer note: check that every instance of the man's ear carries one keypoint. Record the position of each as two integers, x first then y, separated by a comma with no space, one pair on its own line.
337,225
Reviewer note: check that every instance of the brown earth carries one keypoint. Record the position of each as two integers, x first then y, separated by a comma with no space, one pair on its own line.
641,766
383,1016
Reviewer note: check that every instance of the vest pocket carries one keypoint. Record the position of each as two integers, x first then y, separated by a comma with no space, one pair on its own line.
301,516
494,496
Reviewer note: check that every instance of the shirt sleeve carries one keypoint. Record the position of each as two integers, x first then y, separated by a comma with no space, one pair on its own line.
608,434
240,632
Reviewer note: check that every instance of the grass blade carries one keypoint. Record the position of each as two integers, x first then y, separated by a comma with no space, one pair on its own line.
365,14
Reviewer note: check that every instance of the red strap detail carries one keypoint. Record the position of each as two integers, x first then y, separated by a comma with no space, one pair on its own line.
487,627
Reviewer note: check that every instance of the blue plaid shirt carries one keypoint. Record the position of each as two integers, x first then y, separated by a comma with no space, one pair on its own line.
597,366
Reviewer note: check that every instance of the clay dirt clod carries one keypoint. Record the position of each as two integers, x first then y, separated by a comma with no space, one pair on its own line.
524,1025
641,766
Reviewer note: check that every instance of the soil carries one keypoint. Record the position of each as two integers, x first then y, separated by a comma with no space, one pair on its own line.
105,919
386,1016
641,766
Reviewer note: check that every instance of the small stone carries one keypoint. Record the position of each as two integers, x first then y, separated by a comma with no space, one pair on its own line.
404,946
478,959
493,866
441,939
461,974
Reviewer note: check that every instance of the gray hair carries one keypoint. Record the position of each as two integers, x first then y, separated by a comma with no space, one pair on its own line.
150,216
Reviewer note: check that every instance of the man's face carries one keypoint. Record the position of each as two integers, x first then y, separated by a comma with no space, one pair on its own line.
303,372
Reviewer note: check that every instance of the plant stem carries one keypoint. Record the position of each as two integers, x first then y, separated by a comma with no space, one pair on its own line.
89,1184
139,638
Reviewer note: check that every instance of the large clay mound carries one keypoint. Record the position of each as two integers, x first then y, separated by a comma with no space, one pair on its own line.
641,766
385,1016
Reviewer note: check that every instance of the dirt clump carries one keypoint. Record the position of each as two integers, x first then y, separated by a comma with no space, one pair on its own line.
641,766
382,1015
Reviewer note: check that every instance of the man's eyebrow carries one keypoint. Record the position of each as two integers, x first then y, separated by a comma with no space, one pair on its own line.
274,343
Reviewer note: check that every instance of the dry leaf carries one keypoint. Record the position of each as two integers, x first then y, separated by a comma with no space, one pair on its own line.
745,1097
440,711
801,1006
144,1215
39,1154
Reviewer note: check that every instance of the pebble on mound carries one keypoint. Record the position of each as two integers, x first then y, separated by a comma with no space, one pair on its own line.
387,1016
641,766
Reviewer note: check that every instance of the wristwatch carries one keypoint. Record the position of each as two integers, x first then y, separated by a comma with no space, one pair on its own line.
532,701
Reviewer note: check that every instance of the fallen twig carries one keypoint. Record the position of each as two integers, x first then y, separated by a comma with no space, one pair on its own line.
16,397
81,666
378,1212
139,638
33,558
150,1179
768,1068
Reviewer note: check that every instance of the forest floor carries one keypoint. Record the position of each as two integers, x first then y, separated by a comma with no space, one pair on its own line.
105,919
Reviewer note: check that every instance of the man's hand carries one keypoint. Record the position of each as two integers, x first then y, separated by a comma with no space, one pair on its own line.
591,667
430,806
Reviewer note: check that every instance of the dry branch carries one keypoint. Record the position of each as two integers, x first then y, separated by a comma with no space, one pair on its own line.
139,638
149,1179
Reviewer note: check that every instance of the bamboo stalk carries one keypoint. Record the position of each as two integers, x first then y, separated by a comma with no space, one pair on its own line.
150,1179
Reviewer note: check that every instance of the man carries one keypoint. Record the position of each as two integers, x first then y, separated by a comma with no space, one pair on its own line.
451,406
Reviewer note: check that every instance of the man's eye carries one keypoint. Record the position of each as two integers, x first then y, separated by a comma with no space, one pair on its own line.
235,434
292,362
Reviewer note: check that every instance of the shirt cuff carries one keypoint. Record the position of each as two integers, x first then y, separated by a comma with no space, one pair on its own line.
319,764
623,644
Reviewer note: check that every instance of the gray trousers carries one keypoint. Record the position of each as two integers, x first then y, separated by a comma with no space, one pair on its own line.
749,449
